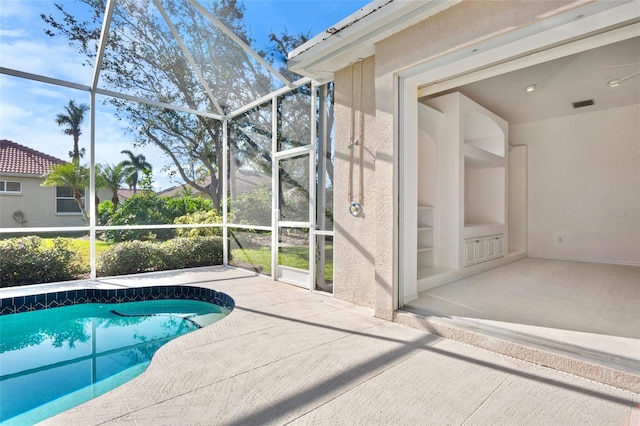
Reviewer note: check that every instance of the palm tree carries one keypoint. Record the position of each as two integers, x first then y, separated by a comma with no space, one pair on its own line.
132,168
111,177
74,176
72,121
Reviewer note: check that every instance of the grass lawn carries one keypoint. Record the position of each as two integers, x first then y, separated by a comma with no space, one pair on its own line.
81,246
295,257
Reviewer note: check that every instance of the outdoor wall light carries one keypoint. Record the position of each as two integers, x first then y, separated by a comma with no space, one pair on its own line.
355,208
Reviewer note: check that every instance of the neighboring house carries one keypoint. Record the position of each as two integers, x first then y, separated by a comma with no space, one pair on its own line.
124,194
24,202
242,182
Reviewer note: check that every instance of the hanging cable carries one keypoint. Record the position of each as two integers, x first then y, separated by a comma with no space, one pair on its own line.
361,142
351,136
355,207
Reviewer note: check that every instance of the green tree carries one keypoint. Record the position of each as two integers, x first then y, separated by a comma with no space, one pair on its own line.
143,208
72,176
144,59
71,121
111,177
132,167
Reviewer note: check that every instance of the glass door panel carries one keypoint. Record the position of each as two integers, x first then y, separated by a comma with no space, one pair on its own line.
293,218
293,256
293,188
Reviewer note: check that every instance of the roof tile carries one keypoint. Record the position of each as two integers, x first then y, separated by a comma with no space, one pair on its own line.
16,158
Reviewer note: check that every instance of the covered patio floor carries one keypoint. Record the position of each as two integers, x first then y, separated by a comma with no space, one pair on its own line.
287,355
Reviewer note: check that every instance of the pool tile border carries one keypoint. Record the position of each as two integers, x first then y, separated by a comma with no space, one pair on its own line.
13,305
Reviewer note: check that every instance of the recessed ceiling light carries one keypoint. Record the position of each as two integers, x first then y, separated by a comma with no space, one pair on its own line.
530,88
617,81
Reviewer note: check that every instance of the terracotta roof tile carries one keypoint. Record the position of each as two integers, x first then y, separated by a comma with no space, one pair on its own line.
16,158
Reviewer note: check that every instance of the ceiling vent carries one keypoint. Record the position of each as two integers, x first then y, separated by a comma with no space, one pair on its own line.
582,104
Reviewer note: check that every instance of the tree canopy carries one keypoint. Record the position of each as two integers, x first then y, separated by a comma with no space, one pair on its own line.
149,54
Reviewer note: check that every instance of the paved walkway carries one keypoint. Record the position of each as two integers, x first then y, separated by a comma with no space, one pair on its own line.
286,355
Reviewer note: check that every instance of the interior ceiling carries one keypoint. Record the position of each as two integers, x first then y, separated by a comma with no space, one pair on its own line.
560,83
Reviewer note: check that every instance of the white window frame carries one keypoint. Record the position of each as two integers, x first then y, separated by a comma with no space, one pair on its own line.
76,213
4,190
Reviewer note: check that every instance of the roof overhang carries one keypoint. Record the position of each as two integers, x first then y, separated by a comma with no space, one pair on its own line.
355,37
22,175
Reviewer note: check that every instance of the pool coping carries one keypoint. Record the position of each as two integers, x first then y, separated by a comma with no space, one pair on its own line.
55,299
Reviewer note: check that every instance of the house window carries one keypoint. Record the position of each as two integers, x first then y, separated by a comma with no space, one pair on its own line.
10,187
65,203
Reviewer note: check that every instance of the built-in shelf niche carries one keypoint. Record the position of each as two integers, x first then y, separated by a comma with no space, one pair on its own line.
483,133
484,169
484,193
470,175
425,229
428,125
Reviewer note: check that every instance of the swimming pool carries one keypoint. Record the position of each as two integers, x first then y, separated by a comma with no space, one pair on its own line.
54,359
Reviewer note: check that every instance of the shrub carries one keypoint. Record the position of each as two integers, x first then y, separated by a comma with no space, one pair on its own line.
187,204
253,208
146,208
25,260
210,216
130,257
105,211
182,253
143,208
133,257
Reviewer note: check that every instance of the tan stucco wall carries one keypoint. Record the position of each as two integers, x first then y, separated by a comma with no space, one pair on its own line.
365,270
354,237
38,204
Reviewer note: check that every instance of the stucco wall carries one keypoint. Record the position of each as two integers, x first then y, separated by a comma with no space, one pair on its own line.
367,273
38,204
354,240
594,214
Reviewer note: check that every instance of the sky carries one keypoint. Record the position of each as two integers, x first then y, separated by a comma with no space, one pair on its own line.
28,108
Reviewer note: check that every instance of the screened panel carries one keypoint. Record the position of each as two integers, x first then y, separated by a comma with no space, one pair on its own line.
294,189
34,257
39,154
234,77
143,59
25,45
325,158
162,170
250,167
293,248
324,263
173,53
155,166
250,249
294,119
182,148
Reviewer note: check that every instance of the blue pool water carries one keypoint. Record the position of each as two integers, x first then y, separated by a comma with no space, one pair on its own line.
54,359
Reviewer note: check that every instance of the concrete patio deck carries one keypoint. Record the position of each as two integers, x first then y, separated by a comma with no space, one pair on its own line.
289,356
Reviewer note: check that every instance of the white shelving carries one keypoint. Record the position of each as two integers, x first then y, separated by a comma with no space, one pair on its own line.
455,203
470,158
425,157
425,237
